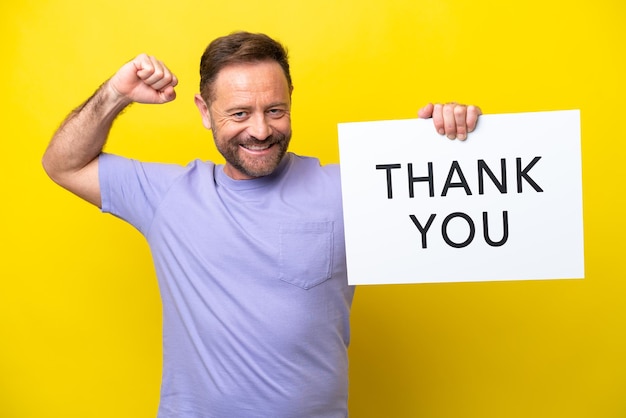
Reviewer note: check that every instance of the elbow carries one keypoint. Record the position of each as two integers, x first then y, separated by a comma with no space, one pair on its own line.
56,168
83,181
49,167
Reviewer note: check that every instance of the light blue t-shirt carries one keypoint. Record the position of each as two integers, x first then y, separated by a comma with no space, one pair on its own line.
252,276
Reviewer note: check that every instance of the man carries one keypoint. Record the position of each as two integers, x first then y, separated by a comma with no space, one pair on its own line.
250,255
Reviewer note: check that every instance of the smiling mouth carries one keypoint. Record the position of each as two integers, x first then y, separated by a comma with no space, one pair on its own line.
257,147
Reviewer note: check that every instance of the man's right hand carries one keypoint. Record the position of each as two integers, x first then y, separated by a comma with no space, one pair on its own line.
144,80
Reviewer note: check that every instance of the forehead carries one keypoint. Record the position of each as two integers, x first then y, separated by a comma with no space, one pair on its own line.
265,77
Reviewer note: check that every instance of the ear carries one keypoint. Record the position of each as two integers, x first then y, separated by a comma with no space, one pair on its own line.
204,111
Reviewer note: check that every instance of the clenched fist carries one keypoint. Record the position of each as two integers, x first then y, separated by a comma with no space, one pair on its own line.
144,80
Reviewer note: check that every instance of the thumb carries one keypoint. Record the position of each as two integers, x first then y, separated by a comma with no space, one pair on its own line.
168,94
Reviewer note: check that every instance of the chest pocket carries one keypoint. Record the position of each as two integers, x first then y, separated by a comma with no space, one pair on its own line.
306,253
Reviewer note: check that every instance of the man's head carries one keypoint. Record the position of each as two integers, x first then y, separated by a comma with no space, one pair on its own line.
239,48
245,99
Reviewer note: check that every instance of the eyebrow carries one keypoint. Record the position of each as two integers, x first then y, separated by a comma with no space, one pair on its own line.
240,108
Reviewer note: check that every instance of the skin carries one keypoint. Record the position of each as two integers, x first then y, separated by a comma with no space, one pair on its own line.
71,159
250,120
453,120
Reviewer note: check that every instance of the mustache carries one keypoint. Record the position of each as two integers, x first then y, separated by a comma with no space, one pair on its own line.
272,139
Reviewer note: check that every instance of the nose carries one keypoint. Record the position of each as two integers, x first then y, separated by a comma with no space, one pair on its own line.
259,127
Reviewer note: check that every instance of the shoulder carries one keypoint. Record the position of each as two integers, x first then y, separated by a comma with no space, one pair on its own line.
309,177
133,189
111,164
313,165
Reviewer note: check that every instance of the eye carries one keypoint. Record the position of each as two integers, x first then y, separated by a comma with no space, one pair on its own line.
276,113
239,115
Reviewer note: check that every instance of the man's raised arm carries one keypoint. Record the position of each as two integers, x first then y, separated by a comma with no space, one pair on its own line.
71,159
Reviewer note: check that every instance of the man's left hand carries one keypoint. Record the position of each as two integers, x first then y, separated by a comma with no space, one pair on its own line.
453,120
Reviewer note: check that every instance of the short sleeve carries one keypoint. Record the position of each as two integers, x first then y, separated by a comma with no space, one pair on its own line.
132,190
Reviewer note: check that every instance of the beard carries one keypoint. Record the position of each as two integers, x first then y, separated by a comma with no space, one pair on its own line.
250,165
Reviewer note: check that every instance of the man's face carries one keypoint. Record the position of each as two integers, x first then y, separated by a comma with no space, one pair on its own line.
250,118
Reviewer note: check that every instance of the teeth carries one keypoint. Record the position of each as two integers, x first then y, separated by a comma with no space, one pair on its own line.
256,147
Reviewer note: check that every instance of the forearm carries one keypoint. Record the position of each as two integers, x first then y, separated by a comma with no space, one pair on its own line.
82,135
71,159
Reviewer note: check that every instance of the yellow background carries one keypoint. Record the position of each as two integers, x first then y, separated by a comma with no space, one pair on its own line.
79,305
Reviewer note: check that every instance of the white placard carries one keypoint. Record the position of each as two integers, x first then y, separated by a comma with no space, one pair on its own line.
506,204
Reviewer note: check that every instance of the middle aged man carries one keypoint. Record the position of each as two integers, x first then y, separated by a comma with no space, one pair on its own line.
250,254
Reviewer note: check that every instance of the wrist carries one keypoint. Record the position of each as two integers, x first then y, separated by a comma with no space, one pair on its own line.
112,99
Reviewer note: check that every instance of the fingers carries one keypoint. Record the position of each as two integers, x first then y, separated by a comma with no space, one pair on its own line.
426,112
438,119
459,113
473,112
453,120
155,74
